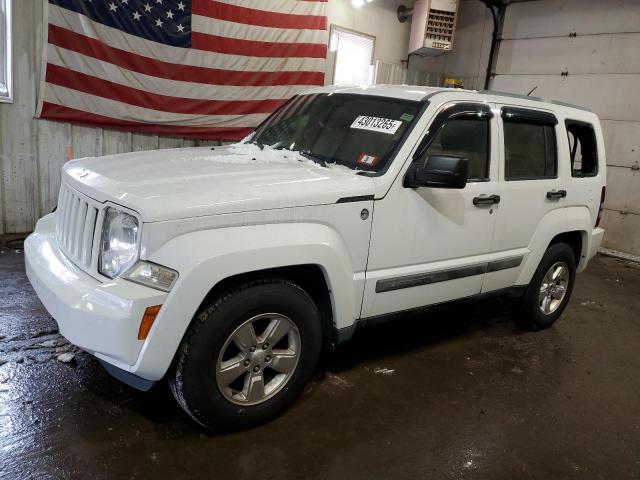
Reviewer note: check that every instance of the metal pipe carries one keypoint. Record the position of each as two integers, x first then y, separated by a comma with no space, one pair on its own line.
494,37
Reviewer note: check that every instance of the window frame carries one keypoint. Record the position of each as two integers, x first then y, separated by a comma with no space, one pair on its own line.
458,110
589,125
7,66
533,117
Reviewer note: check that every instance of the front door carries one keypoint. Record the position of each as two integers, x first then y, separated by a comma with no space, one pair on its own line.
431,245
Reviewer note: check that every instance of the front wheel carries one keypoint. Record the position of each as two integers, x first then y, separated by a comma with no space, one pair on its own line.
550,289
248,355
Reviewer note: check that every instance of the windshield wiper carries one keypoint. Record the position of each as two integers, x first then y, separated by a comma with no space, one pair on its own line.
312,157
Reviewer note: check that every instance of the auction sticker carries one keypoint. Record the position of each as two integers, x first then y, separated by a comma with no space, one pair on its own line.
376,124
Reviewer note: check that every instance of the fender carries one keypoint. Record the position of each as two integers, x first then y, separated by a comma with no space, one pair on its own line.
204,258
555,222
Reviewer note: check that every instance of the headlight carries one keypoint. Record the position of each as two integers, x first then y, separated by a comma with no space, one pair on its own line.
119,245
152,275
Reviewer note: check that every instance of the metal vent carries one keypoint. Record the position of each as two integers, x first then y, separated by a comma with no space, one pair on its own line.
440,25
77,222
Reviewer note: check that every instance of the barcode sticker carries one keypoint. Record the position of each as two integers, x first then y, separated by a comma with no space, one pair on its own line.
376,124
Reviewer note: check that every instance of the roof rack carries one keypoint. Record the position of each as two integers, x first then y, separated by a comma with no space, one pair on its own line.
535,99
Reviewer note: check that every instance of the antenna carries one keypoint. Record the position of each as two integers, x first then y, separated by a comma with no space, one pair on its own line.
531,91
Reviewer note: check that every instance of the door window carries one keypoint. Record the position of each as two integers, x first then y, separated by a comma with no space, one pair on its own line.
529,150
583,149
462,131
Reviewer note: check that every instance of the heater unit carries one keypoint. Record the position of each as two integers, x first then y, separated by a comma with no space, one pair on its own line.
432,27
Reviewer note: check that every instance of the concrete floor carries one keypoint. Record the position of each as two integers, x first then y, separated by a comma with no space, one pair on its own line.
466,395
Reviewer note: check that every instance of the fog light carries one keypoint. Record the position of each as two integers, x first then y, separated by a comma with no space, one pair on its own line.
148,318
152,275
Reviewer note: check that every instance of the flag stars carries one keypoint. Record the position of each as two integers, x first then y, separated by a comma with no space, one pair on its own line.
159,2
159,23
180,28
170,14
181,6
113,7
136,16
147,7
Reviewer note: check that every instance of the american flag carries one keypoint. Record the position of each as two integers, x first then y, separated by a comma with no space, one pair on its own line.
211,69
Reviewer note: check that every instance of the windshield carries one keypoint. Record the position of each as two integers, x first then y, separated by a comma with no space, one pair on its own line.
359,131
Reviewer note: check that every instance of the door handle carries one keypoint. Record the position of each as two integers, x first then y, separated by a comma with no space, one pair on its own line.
487,200
556,194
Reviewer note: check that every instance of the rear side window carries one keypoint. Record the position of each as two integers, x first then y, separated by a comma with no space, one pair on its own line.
529,149
583,148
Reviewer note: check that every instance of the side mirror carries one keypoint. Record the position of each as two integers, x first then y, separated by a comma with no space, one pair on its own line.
438,171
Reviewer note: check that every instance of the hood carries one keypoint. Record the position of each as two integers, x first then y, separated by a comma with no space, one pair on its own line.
190,182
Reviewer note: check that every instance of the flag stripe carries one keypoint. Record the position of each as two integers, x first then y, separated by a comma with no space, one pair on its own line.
176,57
123,111
163,103
283,6
223,28
233,46
251,16
66,114
137,63
107,71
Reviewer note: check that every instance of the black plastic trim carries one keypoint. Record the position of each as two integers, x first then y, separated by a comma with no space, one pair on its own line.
526,114
408,281
360,198
130,379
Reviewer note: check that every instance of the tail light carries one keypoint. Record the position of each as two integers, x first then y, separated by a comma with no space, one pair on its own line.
604,189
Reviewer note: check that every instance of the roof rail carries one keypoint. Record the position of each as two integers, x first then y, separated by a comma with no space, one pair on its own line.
535,99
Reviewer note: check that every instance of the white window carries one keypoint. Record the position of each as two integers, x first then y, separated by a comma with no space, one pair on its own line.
5,51
354,57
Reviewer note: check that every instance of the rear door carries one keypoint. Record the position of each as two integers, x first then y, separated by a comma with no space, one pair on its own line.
530,187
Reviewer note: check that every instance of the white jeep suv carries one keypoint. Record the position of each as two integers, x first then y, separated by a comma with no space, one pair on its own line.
229,270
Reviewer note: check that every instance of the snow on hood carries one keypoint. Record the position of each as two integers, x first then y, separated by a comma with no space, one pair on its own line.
189,182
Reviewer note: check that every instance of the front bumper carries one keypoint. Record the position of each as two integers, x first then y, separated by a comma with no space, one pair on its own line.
101,318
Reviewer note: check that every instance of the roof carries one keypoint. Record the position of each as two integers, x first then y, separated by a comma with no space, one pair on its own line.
417,93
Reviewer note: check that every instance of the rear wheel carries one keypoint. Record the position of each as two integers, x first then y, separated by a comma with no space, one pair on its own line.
248,355
550,289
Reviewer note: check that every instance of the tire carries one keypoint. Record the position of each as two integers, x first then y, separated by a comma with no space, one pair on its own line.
197,379
535,311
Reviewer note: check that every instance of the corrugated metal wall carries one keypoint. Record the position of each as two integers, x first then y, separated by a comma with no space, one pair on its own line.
33,151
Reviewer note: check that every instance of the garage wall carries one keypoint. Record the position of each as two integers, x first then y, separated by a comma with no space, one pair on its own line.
378,19
585,52
33,151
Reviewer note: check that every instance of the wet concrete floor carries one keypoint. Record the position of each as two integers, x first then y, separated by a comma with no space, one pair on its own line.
458,394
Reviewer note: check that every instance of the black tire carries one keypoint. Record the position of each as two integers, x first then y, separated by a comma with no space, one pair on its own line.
193,378
527,311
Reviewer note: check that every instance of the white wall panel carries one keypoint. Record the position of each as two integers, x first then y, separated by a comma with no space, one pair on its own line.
623,193
612,97
621,231
592,54
560,17
622,142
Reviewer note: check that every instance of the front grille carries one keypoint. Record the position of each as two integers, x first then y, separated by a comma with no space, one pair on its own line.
77,227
